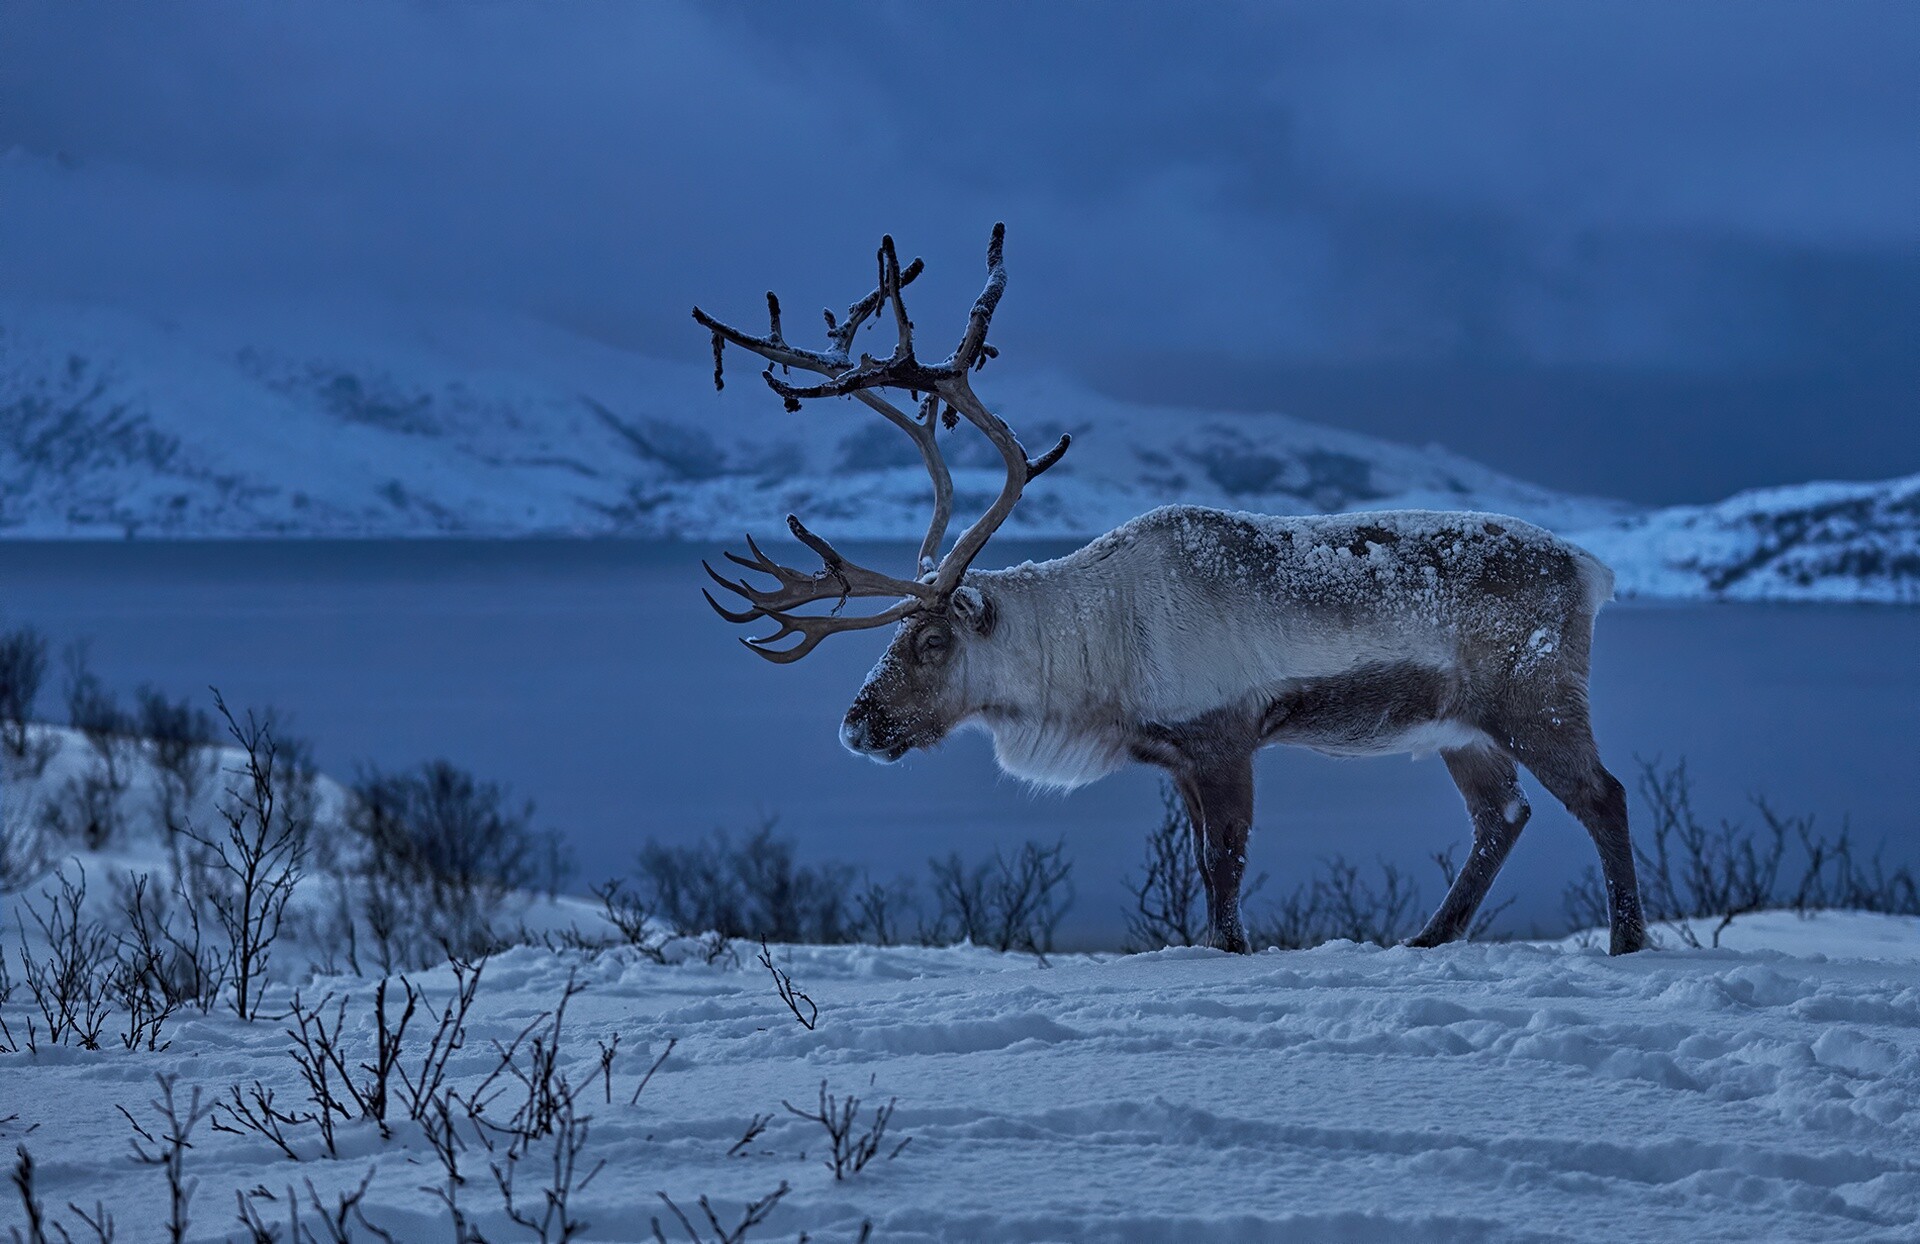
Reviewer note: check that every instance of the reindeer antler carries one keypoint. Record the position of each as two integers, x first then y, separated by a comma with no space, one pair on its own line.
944,382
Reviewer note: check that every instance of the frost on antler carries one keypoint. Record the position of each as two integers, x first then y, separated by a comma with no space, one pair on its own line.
948,397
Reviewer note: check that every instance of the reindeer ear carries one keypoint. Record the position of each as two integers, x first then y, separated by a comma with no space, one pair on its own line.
971,608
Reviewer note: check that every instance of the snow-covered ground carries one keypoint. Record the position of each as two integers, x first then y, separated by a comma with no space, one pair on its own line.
353,421
1764,1091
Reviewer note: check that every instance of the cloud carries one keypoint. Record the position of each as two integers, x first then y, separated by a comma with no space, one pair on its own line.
1495,185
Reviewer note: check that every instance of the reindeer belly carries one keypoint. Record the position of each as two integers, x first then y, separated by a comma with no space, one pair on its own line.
1375,709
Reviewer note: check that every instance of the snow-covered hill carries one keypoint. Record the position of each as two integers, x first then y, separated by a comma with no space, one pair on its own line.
350,422
1841,542
461,423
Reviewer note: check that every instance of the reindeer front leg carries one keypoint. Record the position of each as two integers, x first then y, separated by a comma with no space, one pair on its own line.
1219,798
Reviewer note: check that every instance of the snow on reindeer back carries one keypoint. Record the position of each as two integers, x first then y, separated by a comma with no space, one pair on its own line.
1464,565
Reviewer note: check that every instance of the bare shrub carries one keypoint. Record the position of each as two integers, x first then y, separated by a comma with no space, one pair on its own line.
1341,901
402,1072
1010,902
646,1079
23,668
253,868
427,1083
30,1205
849,1147
335,1222
1832,879
1697,877
803,1008
882,912
88,806
149,982
85,808
71,979
333,1218
549,1216
168,1150
753,889
254,1111
404,930
27,853
374,1085
166,936
1170,897
1691,870
1583,904
756,1125
751,1215
553,861
178,739
545,1128
41,1226
332,1087
297,781
1359,911
441,852
630,917
85,971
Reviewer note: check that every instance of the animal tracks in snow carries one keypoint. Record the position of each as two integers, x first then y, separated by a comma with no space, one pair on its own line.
1512,1093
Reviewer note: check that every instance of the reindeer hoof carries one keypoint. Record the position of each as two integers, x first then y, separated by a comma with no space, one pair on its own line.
1627,941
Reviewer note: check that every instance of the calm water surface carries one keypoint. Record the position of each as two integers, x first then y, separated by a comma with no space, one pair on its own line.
592,678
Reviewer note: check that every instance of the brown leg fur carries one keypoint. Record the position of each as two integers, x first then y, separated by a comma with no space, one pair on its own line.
1491,786
1219,800
1563,756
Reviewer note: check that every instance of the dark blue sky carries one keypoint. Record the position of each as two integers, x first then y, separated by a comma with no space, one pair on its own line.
1656,250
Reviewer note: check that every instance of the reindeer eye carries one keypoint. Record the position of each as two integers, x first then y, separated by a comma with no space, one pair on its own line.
934,643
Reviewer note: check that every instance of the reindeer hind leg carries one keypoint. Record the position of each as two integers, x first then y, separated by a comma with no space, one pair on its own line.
1490,784
1560,751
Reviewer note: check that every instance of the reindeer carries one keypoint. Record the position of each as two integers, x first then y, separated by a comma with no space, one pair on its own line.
1189,638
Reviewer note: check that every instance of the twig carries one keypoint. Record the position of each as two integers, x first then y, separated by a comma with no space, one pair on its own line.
170,1150
752,1215
783,985
642,1086
849,1152
755,1126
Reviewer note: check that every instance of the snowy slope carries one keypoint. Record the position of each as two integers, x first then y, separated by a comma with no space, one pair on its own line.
1474,1093
346,423
1853,542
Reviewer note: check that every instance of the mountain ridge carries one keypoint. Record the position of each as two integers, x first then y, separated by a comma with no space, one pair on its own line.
330,422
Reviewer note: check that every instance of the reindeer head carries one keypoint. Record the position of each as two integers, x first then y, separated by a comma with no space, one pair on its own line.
910,699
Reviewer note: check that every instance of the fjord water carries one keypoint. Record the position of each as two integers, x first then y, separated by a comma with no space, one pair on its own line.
591,677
